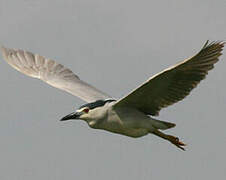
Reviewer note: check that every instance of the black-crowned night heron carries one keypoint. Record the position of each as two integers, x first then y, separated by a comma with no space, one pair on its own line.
130,115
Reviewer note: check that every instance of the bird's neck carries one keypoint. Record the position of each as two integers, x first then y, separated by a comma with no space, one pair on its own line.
91,123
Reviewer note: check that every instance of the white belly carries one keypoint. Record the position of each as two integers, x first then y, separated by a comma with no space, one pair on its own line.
129,122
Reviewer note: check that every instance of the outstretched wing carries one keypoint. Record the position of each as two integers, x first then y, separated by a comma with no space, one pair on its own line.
52,73
173,84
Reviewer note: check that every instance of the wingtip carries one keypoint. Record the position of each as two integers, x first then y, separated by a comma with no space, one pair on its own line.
217,42
206,43
4,51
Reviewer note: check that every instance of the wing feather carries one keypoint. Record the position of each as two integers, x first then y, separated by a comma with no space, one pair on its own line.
52,73
174,83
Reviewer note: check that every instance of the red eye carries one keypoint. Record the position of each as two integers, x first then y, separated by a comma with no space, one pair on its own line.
86,110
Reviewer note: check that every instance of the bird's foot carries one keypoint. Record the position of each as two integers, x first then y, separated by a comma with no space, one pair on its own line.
175,140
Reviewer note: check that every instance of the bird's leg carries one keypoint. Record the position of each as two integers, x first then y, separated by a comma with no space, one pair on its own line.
174,140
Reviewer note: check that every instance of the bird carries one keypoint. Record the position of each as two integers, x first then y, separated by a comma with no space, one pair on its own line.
134,114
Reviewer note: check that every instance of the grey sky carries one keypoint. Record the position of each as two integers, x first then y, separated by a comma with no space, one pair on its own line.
115,46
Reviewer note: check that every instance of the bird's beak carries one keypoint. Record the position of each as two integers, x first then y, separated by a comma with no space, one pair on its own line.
74,115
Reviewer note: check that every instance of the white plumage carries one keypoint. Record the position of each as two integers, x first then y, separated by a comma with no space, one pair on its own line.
52,73
130,115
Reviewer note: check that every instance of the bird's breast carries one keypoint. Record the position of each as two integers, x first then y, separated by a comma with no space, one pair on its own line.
124,122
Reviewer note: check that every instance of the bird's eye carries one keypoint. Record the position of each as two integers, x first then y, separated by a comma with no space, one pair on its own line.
86,110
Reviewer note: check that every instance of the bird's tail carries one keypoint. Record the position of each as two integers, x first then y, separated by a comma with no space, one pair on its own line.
162,124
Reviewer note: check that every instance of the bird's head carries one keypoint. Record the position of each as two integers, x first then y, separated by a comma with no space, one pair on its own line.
91,111
78,114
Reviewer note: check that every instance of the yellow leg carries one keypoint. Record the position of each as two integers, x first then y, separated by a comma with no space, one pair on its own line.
174,140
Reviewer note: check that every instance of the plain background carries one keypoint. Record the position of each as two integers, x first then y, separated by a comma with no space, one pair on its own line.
115,45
